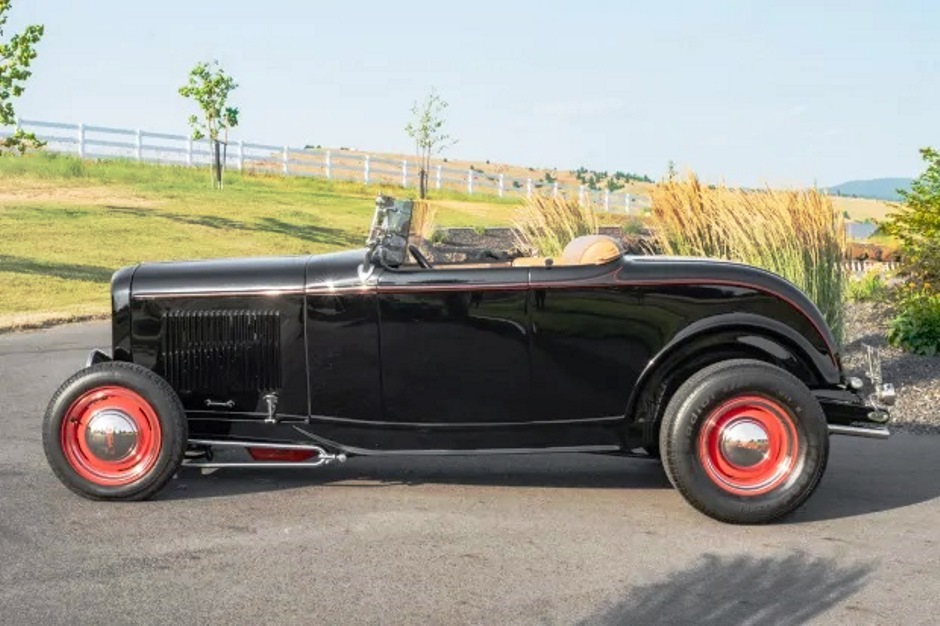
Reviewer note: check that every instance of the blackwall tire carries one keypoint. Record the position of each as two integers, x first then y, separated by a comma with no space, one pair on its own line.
744,442
115,431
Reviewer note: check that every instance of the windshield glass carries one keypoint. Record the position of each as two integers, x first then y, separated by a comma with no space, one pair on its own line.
390,225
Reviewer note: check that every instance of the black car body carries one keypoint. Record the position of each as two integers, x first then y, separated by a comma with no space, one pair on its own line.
358,353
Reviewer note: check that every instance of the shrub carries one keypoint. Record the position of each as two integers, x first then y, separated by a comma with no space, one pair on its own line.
544,225
917,326
871,287
916,224
796,234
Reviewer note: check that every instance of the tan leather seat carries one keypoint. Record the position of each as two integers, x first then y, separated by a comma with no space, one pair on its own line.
584,250
591,250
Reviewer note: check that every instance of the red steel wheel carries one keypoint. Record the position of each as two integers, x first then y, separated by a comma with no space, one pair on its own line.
111,436
749,445
744,441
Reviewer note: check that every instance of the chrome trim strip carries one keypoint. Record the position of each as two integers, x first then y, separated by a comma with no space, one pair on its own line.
877,432
253,464
271,292
221,443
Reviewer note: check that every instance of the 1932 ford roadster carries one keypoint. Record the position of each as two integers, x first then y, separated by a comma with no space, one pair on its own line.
727,372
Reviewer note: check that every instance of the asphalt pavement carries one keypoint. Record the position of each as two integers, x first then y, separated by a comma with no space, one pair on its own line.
554,539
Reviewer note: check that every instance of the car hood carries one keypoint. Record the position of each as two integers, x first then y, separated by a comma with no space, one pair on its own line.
248,276
220,277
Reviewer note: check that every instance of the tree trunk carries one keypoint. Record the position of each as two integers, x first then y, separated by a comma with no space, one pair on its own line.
423,183
217,164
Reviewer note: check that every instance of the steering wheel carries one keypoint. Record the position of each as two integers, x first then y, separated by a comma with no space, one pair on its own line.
420,258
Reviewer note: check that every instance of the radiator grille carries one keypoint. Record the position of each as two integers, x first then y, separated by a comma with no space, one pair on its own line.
222,351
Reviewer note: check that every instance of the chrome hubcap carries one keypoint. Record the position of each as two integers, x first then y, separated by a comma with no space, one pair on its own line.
111,435
744,443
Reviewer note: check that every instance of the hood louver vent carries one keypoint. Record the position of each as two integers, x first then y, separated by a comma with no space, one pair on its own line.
222,351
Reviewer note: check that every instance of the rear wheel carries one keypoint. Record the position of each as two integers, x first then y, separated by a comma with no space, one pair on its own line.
115,431
744,442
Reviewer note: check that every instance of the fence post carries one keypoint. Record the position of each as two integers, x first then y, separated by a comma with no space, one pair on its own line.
189,151
286,160
81,141
628,202
439,175
365,171
404,173
528,187
607,199
580,195
241,156
470,181
328,164
139,145
555,189
500,185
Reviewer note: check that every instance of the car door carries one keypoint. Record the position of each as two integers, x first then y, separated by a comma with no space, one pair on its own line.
454,345
587,351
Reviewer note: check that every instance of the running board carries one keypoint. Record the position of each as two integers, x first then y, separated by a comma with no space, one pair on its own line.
872,432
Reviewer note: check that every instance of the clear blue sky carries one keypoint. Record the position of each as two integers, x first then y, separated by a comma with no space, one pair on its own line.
789,94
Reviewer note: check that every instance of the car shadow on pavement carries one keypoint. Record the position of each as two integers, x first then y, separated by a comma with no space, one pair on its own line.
864,476
741,589
564,471
868,476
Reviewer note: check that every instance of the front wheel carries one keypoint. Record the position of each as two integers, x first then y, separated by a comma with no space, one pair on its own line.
115,431
744,442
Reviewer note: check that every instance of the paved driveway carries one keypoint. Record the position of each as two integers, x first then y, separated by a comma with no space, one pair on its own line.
552,539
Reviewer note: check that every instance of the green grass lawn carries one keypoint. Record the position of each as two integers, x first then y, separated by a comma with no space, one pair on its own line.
67,224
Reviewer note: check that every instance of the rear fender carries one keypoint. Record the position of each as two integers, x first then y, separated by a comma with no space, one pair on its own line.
719,338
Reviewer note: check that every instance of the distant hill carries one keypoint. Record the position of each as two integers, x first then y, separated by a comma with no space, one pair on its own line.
877,188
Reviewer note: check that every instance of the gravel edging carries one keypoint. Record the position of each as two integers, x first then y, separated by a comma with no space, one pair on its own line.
916,378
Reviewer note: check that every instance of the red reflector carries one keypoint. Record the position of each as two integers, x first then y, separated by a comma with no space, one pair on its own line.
286,456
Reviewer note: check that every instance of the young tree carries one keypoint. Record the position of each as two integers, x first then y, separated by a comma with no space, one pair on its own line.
210,87
671,173
16,55
426,129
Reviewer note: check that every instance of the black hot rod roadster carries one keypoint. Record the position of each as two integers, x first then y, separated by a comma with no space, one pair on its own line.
727,372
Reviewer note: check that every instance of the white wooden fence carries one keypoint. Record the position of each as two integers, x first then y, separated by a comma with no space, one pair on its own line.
103,142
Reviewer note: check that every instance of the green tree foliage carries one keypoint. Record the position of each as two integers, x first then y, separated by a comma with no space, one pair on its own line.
916,224
426,128
16,56
210,87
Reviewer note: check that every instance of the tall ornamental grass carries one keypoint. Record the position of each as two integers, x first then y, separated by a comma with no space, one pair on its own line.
796,234
544,225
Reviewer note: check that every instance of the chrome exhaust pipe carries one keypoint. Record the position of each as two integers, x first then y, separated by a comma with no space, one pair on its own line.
322,456
872,432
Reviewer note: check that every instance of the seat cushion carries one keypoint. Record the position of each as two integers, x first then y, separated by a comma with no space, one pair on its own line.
591,250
